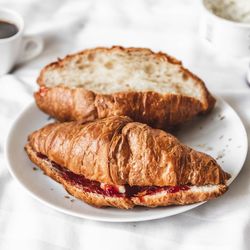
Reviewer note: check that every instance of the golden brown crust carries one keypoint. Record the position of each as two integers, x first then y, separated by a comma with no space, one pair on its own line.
116,150
98,200
156,109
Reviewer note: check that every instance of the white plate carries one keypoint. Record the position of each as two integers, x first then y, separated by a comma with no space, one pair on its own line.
220,134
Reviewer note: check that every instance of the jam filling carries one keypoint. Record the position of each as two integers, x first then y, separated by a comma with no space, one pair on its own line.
110,190
42,91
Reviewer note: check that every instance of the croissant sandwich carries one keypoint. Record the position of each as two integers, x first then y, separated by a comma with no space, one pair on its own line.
120,163
151,88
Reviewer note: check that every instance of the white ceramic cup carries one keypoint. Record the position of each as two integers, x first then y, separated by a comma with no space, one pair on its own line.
228,37
17,48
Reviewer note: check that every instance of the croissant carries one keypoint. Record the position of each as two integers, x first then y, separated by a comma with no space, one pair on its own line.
151,88
120,163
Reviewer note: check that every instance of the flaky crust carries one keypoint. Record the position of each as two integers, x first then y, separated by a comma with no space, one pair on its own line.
97,200
159,110
78,104
116,150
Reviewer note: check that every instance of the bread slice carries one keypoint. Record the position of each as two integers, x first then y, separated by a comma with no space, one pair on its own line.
193,195
149,87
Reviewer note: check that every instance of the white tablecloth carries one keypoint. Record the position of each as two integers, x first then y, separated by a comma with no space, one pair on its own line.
171,26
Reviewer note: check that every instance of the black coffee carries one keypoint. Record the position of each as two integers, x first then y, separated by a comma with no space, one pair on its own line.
7,29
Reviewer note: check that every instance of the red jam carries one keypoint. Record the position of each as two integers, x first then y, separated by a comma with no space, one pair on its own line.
149,190
79,180
43,90
110,190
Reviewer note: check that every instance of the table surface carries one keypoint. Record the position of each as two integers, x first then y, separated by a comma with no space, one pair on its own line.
169,26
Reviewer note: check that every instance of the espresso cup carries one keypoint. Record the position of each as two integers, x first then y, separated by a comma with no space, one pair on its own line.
17,48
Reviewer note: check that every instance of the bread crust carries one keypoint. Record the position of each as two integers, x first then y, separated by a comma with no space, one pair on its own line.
158,110
117,151
98,200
